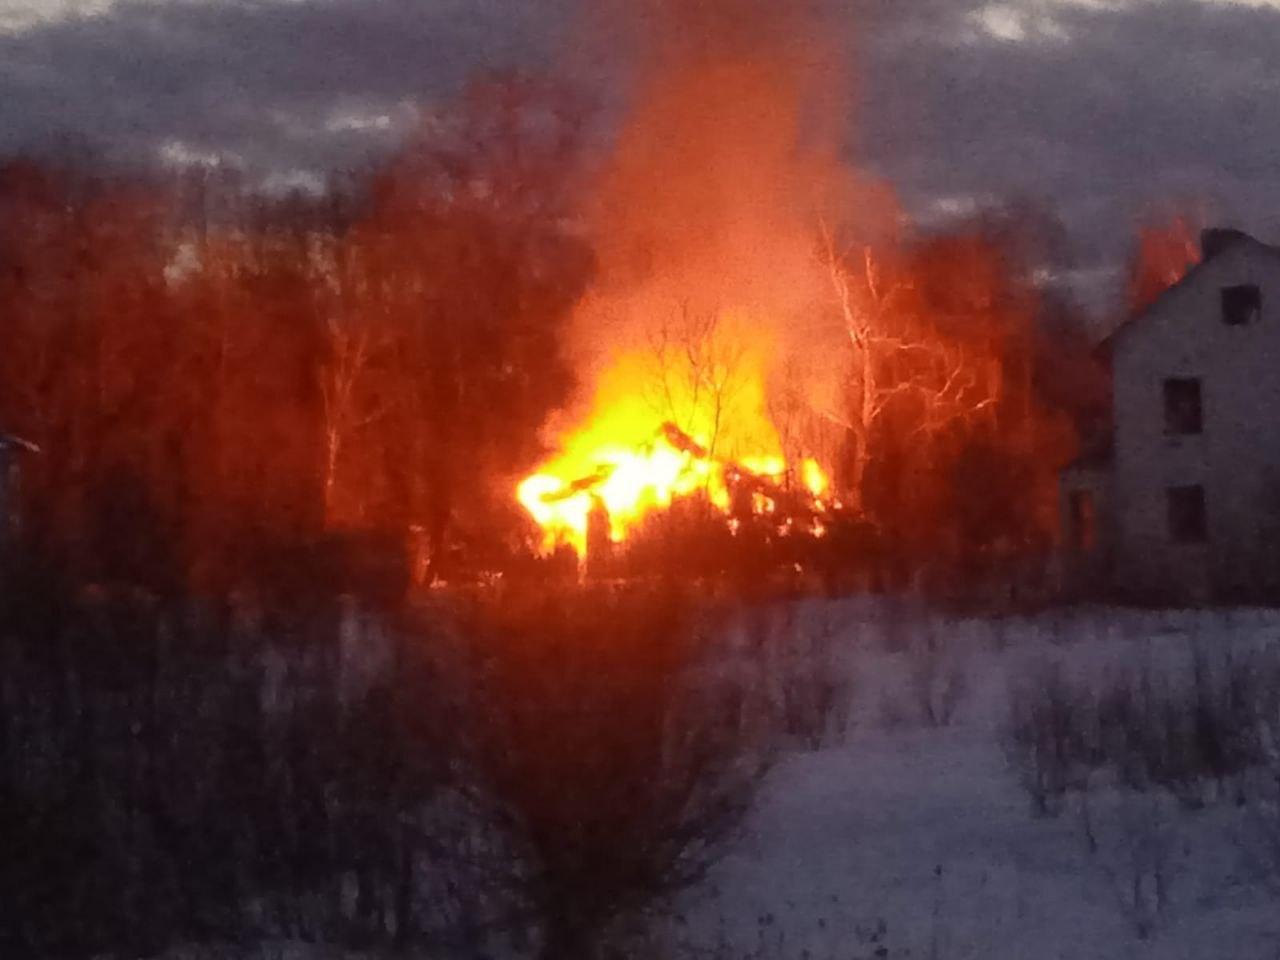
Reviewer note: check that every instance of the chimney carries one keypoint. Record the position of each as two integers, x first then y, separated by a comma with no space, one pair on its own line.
1216,239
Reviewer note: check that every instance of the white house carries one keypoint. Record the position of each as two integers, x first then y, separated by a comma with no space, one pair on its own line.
1182,501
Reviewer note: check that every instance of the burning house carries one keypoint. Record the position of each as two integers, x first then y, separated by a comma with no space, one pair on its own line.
703,219
1182,501
760,340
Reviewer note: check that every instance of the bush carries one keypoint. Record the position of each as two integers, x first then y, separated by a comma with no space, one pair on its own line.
1138,850
1194,731
938,681
1048,737
1261,792
508,778
606,751
813,683
1133,744
198,772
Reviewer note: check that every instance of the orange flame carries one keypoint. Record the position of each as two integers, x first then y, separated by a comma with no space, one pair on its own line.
659,431
704,221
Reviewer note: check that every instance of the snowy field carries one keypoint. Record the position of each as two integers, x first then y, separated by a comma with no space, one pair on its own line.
902,835
917,840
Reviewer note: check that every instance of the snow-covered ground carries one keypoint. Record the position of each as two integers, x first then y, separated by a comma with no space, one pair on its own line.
898,838
922,832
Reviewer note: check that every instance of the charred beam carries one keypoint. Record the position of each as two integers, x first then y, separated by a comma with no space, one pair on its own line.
589,482
682,441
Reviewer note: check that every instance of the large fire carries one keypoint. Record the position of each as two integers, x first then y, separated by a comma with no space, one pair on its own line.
757,319
704,219
663,427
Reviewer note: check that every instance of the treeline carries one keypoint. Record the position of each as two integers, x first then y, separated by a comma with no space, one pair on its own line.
215,378
229,389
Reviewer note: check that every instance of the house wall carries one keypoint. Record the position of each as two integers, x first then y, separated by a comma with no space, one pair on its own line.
1237,456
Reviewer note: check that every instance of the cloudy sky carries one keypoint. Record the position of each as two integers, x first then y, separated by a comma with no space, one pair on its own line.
1097,108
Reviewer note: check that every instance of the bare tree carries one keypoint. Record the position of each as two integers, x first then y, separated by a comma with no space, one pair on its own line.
697,374
355,342
895,355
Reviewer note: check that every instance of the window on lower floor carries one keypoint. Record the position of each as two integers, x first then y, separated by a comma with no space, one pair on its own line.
1187,520
1082,523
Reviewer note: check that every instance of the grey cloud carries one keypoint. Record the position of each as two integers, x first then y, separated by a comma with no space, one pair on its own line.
1140,102
257,79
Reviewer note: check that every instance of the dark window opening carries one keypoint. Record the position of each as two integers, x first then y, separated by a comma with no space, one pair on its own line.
1187,521
1241,305
1082,520
1182,412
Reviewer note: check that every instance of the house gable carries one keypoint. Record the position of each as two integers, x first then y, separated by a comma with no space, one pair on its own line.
1243,261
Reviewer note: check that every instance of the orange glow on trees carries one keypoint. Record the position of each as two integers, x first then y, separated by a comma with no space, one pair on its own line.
758,319
502,342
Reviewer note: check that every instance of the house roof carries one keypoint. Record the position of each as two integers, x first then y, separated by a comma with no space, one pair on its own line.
1229,240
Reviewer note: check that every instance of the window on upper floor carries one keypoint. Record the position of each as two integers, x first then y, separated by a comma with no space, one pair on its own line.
1241,305
1182,412
1187,520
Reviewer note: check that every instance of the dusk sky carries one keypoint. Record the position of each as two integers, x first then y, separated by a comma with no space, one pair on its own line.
1096,109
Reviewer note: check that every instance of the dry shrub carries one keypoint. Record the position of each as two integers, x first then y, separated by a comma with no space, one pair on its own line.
938,681
1137,847
1195,729
608,756
1046,737
808,684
